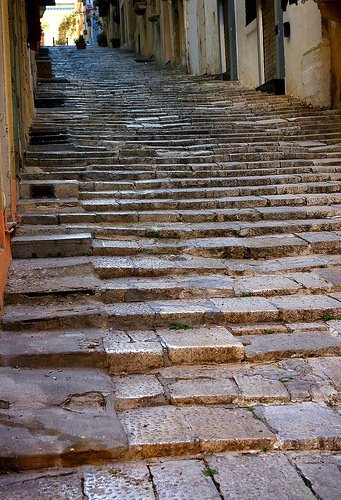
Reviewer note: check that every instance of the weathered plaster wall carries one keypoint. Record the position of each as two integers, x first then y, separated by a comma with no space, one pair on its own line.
192,37
202,37
212,38
247,48
16,84
6,145
307,56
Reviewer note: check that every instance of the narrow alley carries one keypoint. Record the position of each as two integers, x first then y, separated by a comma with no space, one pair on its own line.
172,315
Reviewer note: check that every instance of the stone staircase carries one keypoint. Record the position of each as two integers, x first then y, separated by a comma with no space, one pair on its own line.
176,291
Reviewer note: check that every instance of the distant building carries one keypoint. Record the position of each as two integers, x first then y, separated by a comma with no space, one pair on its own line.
87,20
52,18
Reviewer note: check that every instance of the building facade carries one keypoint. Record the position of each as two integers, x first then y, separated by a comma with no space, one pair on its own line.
52,18
19,40
290,46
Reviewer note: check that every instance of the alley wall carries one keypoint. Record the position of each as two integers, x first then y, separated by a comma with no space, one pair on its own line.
17,75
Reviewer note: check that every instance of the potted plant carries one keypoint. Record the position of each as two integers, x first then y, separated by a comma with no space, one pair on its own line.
115,43
80,42
102,39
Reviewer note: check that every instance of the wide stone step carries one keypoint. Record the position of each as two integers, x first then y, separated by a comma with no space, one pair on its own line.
251,196
326,206
283,381
31,279
120,351
168,430
207,190
258,247
205,178
152,266
49,314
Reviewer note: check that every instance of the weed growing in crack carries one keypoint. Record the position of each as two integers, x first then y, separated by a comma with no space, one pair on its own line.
209,472
327,316
267,332
245,294
290,330
251,409
179,326
283,380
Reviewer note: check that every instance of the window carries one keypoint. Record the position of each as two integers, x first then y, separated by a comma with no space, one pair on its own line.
250,11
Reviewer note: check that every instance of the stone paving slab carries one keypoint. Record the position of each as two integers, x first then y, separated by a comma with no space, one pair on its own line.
265,476
128,481
322,474
304,425
208,345
234,475
183,480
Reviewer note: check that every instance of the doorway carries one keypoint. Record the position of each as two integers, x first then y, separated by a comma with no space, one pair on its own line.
273,47
227,39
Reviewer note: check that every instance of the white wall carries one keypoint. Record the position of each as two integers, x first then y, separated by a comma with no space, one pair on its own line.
192,37
307,58
247,48
202,37
212,38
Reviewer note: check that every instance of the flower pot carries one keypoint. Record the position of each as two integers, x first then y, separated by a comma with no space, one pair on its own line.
81,46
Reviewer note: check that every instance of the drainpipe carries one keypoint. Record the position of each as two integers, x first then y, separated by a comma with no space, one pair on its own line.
279,39
221,43
260,43
233,39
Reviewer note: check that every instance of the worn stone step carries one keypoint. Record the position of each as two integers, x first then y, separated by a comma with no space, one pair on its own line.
248,224
47,420
25,247
213,429
258,247
271,347
238,198
120,351
293,380
209,190
50,314
152,266
27,282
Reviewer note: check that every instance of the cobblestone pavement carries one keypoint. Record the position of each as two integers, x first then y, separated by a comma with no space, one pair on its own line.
173,313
